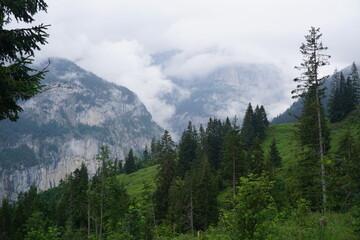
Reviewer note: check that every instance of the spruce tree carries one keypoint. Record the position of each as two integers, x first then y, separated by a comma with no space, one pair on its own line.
348,168
247,128
6,219
264,116
129,165
17,47
336,98
187,149
313,59
76,197
165,176
214,142
273,158
232,154
259,123
355,80
205,196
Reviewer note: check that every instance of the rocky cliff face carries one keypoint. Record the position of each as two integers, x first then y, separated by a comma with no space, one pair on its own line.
226,92
66,125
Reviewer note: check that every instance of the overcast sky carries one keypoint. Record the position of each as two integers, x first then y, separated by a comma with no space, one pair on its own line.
115,39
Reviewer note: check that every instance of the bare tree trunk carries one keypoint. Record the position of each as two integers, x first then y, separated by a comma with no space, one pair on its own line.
321,146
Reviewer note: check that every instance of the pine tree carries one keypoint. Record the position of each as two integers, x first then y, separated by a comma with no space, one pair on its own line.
205,197
259,123
232,154
355,81
308,165
214,142
336,97
264,116
146,154
76,197
187,150
349,96
129,165
177,201
247,128
348,168
256,158
6,219
17,47
165,176
313,59
273,158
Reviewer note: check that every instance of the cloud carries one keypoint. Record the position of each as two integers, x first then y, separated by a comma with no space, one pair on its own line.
116,38
127,63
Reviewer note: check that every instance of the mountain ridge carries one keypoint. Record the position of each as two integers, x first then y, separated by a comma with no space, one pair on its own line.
66,125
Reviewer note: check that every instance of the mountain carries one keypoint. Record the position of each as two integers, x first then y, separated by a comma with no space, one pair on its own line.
223,92
66,125
295,109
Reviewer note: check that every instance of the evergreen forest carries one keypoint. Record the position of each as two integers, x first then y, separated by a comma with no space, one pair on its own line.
220,181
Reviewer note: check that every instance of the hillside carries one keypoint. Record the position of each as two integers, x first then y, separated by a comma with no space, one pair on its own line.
296,108
66,125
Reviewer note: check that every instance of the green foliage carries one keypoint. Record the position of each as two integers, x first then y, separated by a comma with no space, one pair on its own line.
165,176
233,153
36,228
187,149
129,165
205,196
273,159
75,197
344,94
247,129
17,47
307,226
213,142
134,182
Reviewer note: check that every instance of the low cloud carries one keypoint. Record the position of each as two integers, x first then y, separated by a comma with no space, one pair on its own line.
127,63
115,39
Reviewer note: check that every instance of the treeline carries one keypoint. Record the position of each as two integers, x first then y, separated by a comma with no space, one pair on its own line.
219,182
345,94
190,177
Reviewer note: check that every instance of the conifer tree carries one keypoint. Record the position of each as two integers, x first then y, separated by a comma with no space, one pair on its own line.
247,128
146,154
348,169
205,196
259,123
214,141
231,155
76,197
355,81
273,159
264,116
6,219
187,149
313,59
129,165
17,47
165,176
336,100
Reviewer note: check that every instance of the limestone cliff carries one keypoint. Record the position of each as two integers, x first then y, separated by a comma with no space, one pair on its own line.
66,125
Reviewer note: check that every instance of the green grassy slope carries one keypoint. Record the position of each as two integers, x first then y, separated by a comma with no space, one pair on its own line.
135,181
285,136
